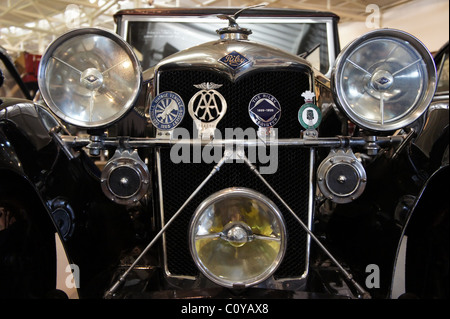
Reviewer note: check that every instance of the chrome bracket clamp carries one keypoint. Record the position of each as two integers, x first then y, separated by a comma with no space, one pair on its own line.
95,144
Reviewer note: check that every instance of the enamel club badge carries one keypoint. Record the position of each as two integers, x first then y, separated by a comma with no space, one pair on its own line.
309,114
167,111
264,110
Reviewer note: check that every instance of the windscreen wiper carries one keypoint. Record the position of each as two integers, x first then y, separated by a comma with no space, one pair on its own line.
304,55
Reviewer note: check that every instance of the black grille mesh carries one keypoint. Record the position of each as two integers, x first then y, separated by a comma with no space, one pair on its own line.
290,180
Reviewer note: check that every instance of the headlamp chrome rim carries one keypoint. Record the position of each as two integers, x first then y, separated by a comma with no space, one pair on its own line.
242,230
385,80
91,79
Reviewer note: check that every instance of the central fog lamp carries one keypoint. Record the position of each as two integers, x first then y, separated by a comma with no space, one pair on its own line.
237,237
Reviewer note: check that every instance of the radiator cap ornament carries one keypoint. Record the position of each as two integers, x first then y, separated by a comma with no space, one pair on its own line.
207,107
167,111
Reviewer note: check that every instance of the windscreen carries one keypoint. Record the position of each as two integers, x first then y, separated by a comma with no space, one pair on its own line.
154,40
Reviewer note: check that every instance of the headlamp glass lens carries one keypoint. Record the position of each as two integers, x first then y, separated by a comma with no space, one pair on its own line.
89,78
237,238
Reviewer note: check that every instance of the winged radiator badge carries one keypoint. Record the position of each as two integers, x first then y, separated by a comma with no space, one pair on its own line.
207,107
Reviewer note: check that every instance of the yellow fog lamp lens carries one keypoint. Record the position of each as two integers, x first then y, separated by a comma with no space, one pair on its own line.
237,237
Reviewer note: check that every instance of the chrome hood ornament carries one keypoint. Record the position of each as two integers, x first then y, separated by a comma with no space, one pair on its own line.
234,31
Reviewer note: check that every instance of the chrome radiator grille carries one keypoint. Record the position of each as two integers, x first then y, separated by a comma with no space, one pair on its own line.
291,180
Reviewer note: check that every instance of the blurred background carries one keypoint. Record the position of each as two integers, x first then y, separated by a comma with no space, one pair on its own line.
28,26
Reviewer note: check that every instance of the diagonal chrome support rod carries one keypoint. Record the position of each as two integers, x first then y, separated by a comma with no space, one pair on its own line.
364,294
122,278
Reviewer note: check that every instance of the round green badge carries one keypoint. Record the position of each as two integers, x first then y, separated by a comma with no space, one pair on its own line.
309,116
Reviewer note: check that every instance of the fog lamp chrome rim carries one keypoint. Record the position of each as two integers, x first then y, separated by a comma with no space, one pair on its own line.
237,237
384,80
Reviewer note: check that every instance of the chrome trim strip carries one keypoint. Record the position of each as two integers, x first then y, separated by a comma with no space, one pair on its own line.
63,271
209,19
161,211
331,48
398,279
311,202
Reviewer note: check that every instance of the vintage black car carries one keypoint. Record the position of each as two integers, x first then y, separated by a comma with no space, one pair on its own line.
264,162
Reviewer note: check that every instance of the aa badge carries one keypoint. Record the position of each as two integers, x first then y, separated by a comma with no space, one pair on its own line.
207,107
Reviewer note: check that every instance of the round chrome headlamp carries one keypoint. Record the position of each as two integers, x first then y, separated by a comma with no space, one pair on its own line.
237,237
384,80
89,77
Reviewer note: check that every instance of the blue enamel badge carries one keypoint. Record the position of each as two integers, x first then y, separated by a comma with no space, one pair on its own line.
264,110
234,60
167,111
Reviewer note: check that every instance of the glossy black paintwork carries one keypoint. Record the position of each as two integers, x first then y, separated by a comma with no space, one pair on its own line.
29,157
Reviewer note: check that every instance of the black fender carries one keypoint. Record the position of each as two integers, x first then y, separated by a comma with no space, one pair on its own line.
430,149
56,195
24,130
28,233
27,240
422,261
